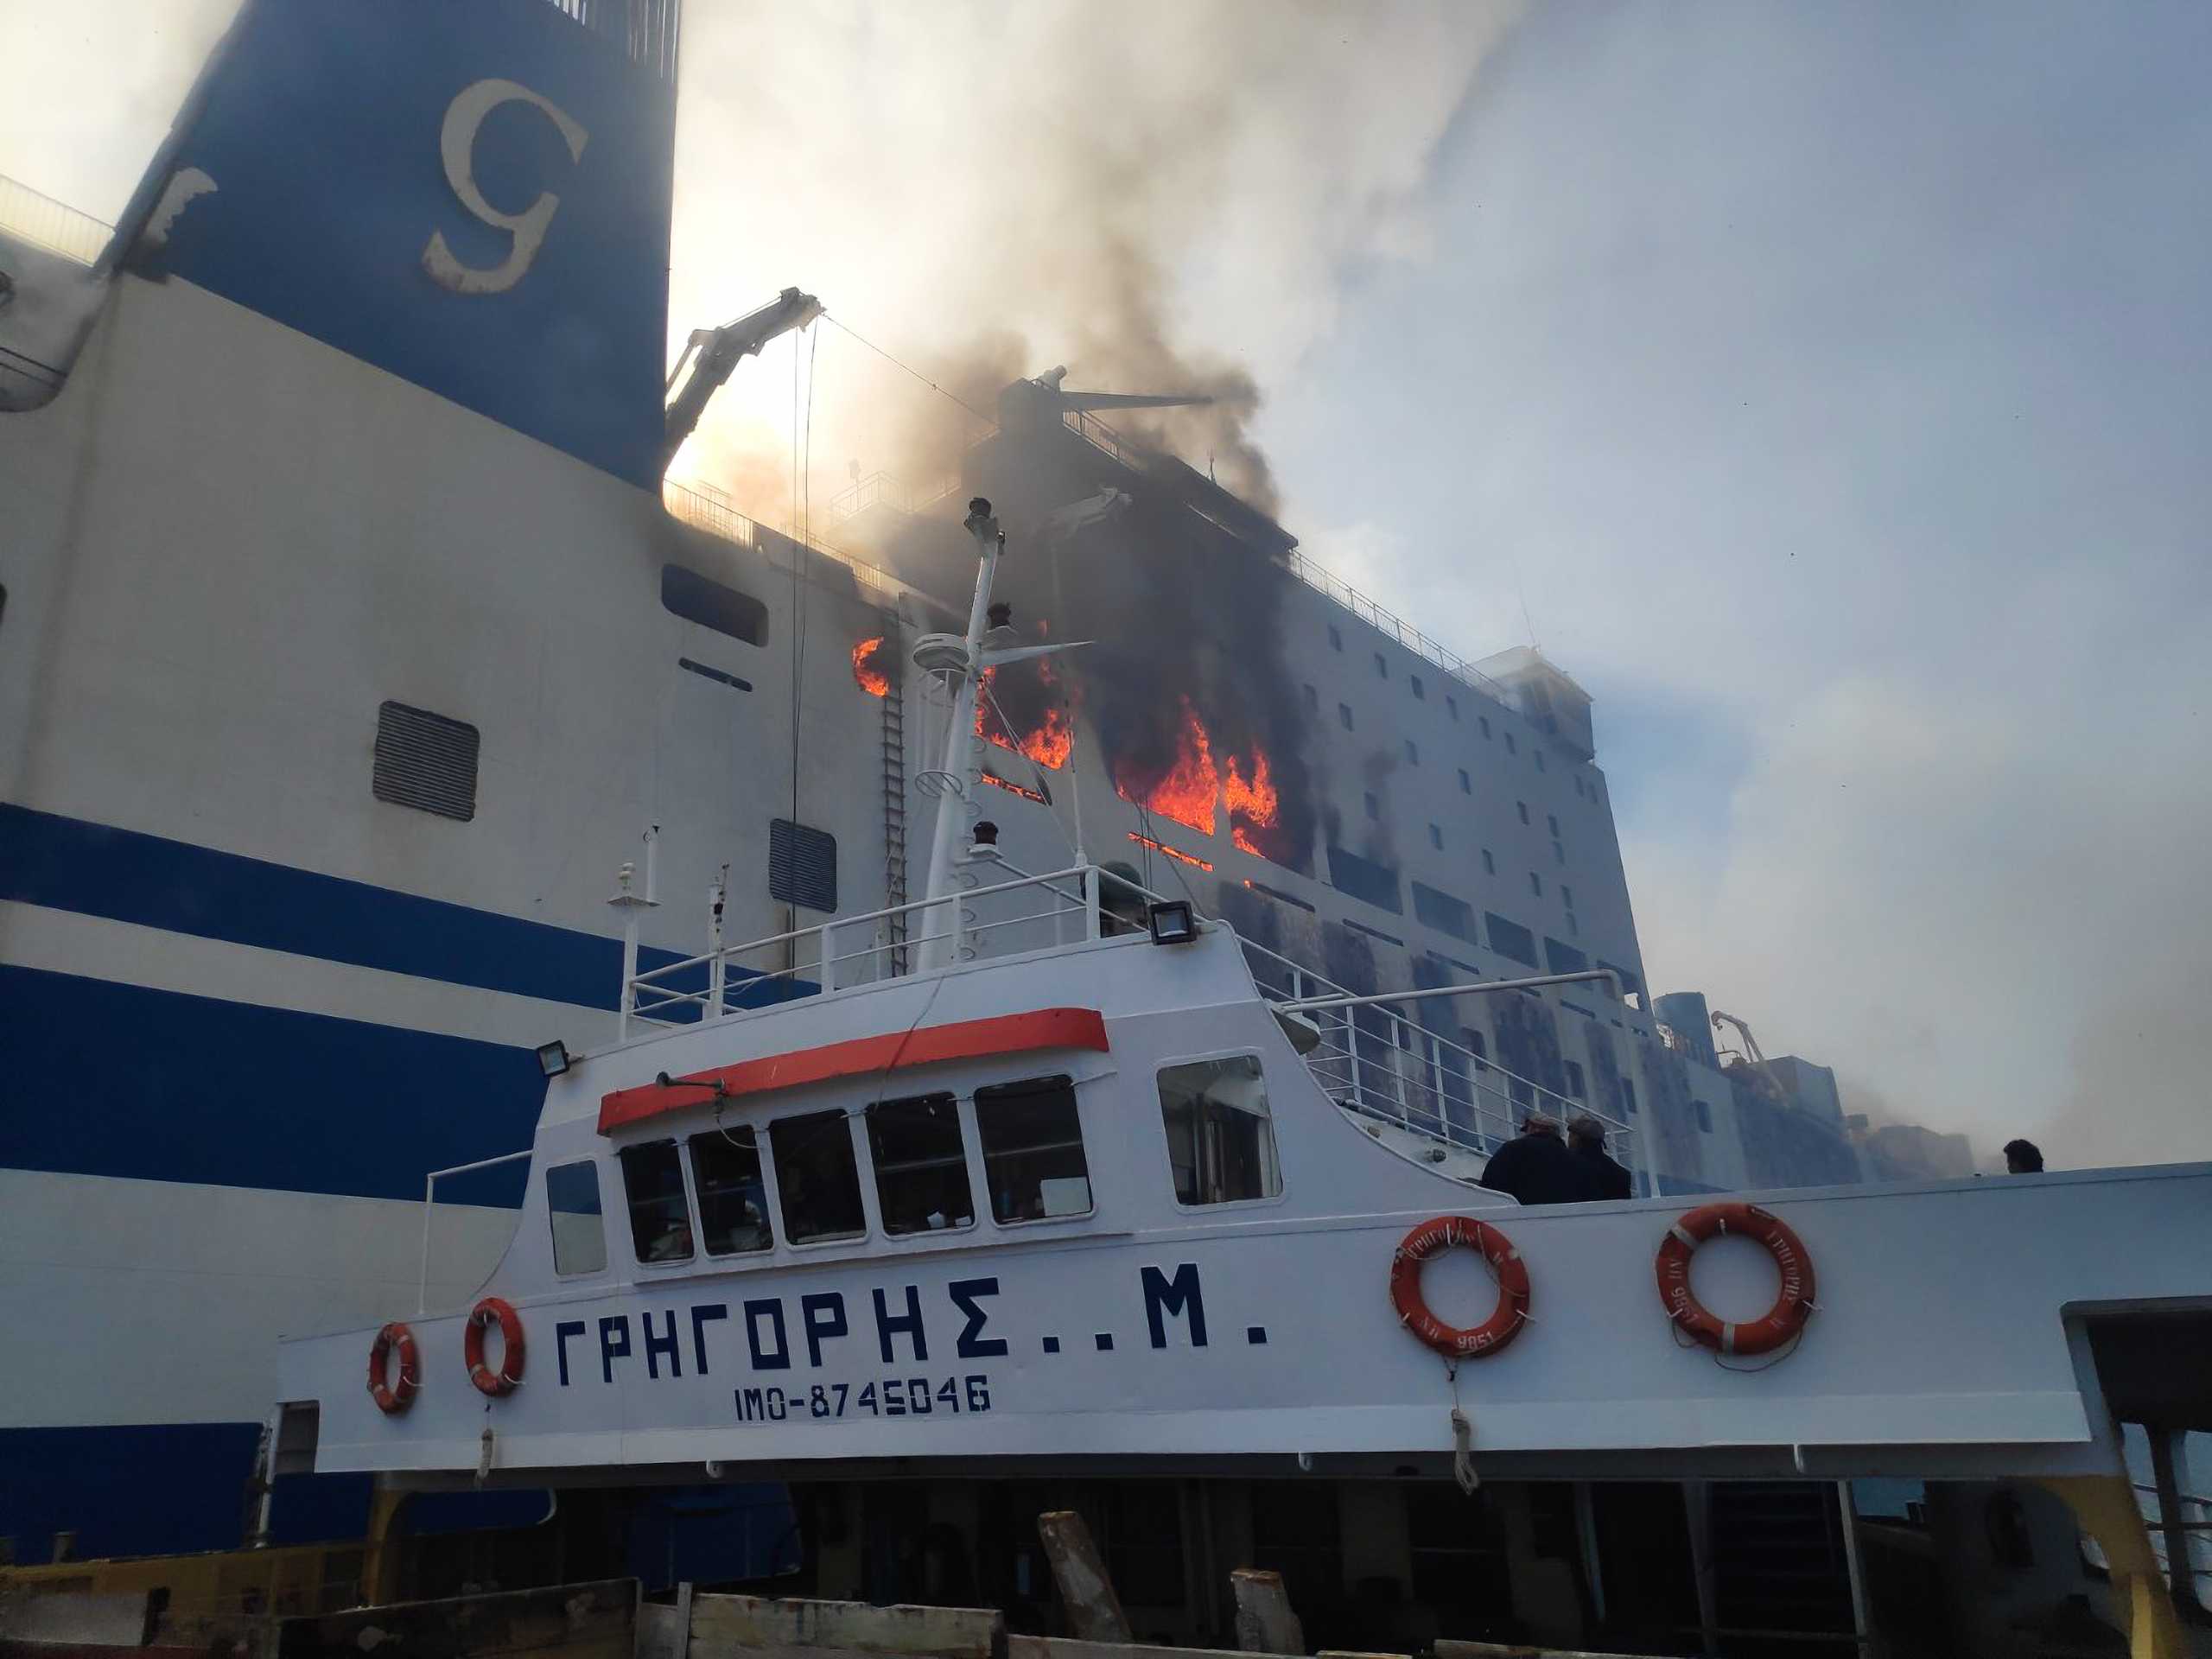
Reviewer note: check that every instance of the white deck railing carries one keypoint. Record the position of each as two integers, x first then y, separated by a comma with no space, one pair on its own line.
1370,1059
1058,909
1374,1061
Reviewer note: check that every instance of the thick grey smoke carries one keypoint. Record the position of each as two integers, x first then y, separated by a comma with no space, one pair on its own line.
1161,196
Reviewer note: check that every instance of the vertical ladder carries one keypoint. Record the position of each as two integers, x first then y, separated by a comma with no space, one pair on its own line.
1781,1569
894,786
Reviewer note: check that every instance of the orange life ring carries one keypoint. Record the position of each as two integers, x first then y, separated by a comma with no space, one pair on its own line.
1434,1236
393,1397
1791,1308
481,1317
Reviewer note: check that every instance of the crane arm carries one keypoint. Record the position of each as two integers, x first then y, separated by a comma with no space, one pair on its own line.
1752,1053
712,353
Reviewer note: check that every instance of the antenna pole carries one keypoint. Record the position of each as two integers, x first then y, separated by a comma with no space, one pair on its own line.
941,921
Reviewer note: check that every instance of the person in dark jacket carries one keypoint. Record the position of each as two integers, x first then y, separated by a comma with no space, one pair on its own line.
1602,1178
1535,1167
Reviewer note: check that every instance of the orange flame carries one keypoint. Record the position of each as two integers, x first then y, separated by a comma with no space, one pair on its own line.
1012,788
869,668
1049,743
1187,793
1175,852
1252,805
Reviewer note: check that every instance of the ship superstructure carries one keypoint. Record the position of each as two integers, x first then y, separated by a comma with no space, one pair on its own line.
349,639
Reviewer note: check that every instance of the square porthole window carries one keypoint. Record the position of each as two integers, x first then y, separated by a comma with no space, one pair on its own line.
1220,1140
818,1178
1466,784
1436,837
732,1201
921,1165
1032,1150
579,1230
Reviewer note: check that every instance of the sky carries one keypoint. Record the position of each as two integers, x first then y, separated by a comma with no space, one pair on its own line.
1824,387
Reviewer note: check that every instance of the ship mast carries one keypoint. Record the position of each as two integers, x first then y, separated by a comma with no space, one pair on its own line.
961,662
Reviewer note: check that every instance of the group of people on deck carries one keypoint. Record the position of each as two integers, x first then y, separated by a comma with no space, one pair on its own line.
1539,1168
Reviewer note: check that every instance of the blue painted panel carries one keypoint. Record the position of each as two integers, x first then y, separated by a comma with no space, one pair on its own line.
97,870
119,1080
69,864
320,124
135,1489
126,1489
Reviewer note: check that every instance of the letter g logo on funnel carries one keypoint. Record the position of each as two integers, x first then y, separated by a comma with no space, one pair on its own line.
457,144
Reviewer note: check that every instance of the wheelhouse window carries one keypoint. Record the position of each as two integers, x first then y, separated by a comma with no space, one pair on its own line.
733,1198
1032,1150
660,1215
921,1165
1220,1138
817,1178
579,1230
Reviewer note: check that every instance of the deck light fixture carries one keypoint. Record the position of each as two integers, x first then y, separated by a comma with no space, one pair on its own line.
553,1058
1170,921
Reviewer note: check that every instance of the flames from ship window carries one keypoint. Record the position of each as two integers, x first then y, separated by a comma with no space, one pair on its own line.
1024,707
1175,852
1185,787
872,667
1195,789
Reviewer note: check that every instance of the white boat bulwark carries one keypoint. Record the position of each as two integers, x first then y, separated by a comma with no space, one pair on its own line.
907,1277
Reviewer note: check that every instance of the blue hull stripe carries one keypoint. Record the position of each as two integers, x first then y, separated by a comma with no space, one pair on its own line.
69,864
98,870
170,1489
101,1078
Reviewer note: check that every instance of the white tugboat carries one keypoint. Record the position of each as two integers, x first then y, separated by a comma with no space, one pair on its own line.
1057,1180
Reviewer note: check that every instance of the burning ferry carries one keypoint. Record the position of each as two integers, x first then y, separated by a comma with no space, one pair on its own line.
349,620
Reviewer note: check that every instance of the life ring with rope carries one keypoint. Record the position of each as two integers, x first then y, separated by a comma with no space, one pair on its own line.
481,1317
1792,1307
394,1394
1432,1238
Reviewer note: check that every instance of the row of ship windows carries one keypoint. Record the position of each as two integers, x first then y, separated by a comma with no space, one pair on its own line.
804,1184
1588,791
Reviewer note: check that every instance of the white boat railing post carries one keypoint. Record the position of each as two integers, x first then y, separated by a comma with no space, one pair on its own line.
715,966
431,1196
632,907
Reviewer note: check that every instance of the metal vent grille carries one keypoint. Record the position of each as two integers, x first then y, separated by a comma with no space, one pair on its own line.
426,761
802,865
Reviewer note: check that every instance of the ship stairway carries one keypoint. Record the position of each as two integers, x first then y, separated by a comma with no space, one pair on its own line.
894,791
1381,1065
1779,1568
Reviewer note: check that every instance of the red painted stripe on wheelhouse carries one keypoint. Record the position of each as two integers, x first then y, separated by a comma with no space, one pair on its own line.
963,1040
